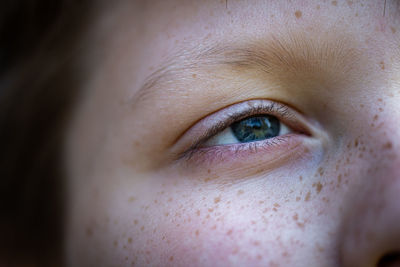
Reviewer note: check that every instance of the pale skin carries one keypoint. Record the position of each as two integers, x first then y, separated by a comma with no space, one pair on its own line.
326,194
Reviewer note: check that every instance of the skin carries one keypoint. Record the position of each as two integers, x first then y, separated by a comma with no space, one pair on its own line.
328,198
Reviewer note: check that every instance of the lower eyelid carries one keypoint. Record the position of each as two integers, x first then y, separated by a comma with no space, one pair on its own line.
248,159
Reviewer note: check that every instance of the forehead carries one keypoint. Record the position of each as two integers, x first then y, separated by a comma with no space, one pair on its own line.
151,36
170,26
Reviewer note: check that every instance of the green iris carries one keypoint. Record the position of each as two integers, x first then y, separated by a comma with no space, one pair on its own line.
256,128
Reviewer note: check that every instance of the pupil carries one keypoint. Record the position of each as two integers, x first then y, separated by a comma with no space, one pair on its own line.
256,128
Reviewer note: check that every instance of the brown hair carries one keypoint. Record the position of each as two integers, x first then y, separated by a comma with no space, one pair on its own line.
39,77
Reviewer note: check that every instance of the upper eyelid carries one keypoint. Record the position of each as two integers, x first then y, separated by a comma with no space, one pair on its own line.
219,119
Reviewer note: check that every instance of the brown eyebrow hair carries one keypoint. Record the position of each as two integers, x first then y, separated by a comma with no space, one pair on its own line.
290,56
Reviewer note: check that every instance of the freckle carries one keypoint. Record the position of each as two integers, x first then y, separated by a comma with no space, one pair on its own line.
229,232
321,171
295,217
380,109
356,143
307,198
115,243
361,105
285,254
380,99
318,7
171,258
240,192
130,240
156,201
298,14
142,228
131,199
350,3
135,222
276,205
89,232
393,29
301,178
318,187
217,199
339,178
260,202
198,212
334,3
166,214
214,227
387,145
298,198
259,257
197,232
301,225
208,171
210,209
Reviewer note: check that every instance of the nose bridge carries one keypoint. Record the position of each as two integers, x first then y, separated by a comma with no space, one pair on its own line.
371,228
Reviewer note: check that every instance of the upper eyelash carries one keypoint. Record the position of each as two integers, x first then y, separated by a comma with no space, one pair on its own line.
276,109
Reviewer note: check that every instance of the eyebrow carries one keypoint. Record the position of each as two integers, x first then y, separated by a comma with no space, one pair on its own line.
293,55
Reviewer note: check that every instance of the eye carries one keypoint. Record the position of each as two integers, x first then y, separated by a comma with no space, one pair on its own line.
250,129
240,131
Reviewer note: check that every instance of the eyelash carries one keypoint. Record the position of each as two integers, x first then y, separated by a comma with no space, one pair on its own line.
255,107
282,110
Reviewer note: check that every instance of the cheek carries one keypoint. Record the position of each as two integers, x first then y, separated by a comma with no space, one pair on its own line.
188,223
206,226
184,221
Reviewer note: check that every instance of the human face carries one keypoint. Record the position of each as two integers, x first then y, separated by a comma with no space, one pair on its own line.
154,177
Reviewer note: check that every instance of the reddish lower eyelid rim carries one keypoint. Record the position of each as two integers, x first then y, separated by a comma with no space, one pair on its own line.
292,118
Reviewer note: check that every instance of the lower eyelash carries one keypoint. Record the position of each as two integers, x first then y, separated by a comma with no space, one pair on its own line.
221,153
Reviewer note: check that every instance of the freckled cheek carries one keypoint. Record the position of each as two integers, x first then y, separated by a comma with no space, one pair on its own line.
210,228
